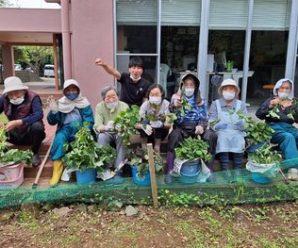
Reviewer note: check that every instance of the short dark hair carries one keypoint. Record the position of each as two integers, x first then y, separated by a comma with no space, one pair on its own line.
136,61
153,86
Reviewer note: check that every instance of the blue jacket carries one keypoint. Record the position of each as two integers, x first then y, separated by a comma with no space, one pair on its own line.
59,117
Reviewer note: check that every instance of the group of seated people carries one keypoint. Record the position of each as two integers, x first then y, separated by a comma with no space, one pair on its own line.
222,126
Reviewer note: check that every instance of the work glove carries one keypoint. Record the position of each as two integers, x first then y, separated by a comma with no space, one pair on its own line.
220,126
53,106
199,129
239,125
109,126
156,124
147,129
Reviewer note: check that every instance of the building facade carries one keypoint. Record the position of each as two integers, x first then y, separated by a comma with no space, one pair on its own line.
253,41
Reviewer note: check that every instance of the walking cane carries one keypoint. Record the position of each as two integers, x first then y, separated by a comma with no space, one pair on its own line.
34,185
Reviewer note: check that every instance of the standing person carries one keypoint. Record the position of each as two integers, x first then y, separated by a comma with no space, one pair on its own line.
225,121
70,113
23,109
280,112
133,86
191,120
106,112
153,126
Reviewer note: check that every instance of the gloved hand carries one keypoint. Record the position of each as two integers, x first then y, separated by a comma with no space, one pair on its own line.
156,124
239,125
109,126
147,129
53,106
199,129
220,126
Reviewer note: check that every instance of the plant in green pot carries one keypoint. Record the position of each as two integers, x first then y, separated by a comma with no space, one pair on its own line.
263,163
188,158
87,157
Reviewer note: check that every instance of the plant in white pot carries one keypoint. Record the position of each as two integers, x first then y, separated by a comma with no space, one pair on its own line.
86,156
263,164
188,157
12,163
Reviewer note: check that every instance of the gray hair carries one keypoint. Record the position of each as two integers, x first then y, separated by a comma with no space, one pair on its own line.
106,89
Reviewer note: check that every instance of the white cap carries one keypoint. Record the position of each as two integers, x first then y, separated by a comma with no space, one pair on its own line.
69,82
229,82
13,84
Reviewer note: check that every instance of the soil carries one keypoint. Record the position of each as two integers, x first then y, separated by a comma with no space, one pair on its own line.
268,225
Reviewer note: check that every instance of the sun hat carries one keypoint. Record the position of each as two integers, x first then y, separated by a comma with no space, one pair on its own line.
228,82
12,84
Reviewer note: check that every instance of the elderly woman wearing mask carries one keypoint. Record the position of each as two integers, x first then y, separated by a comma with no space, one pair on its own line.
191,121
227,124
106,112
280,112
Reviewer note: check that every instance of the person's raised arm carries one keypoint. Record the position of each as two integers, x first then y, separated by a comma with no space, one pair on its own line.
109,69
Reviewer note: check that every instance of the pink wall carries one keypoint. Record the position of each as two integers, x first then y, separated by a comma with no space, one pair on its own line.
92,37
30,20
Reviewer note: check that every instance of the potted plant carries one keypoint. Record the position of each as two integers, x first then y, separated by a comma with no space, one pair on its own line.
258,133
12,163
262,163
140,166
86,156
188,156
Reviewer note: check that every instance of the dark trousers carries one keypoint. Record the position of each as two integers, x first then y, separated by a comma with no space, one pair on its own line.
224,160
34,135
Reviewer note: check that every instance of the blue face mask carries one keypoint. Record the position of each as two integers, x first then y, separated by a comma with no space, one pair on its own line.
72,96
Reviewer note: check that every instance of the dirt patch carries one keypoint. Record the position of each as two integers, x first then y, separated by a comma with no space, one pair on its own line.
270,225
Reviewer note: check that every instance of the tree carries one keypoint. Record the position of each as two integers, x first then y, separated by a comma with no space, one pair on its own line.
4,3
34,56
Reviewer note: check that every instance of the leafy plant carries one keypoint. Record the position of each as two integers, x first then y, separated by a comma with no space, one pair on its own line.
265,155
86,153
257,132
12,155
139,157
125,123
274,112
170,118
193,149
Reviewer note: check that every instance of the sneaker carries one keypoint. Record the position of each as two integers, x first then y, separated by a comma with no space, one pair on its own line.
36,160
293,174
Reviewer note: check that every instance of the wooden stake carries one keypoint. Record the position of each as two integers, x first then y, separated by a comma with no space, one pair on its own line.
152,175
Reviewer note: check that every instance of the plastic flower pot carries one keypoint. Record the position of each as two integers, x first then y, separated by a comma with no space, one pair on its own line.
260,178
143,180
11,176
86,177
190,168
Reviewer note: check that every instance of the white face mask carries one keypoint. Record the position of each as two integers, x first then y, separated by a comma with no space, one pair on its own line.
189,91
227,95
17,101
283,94
134,79
112,105
155,100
